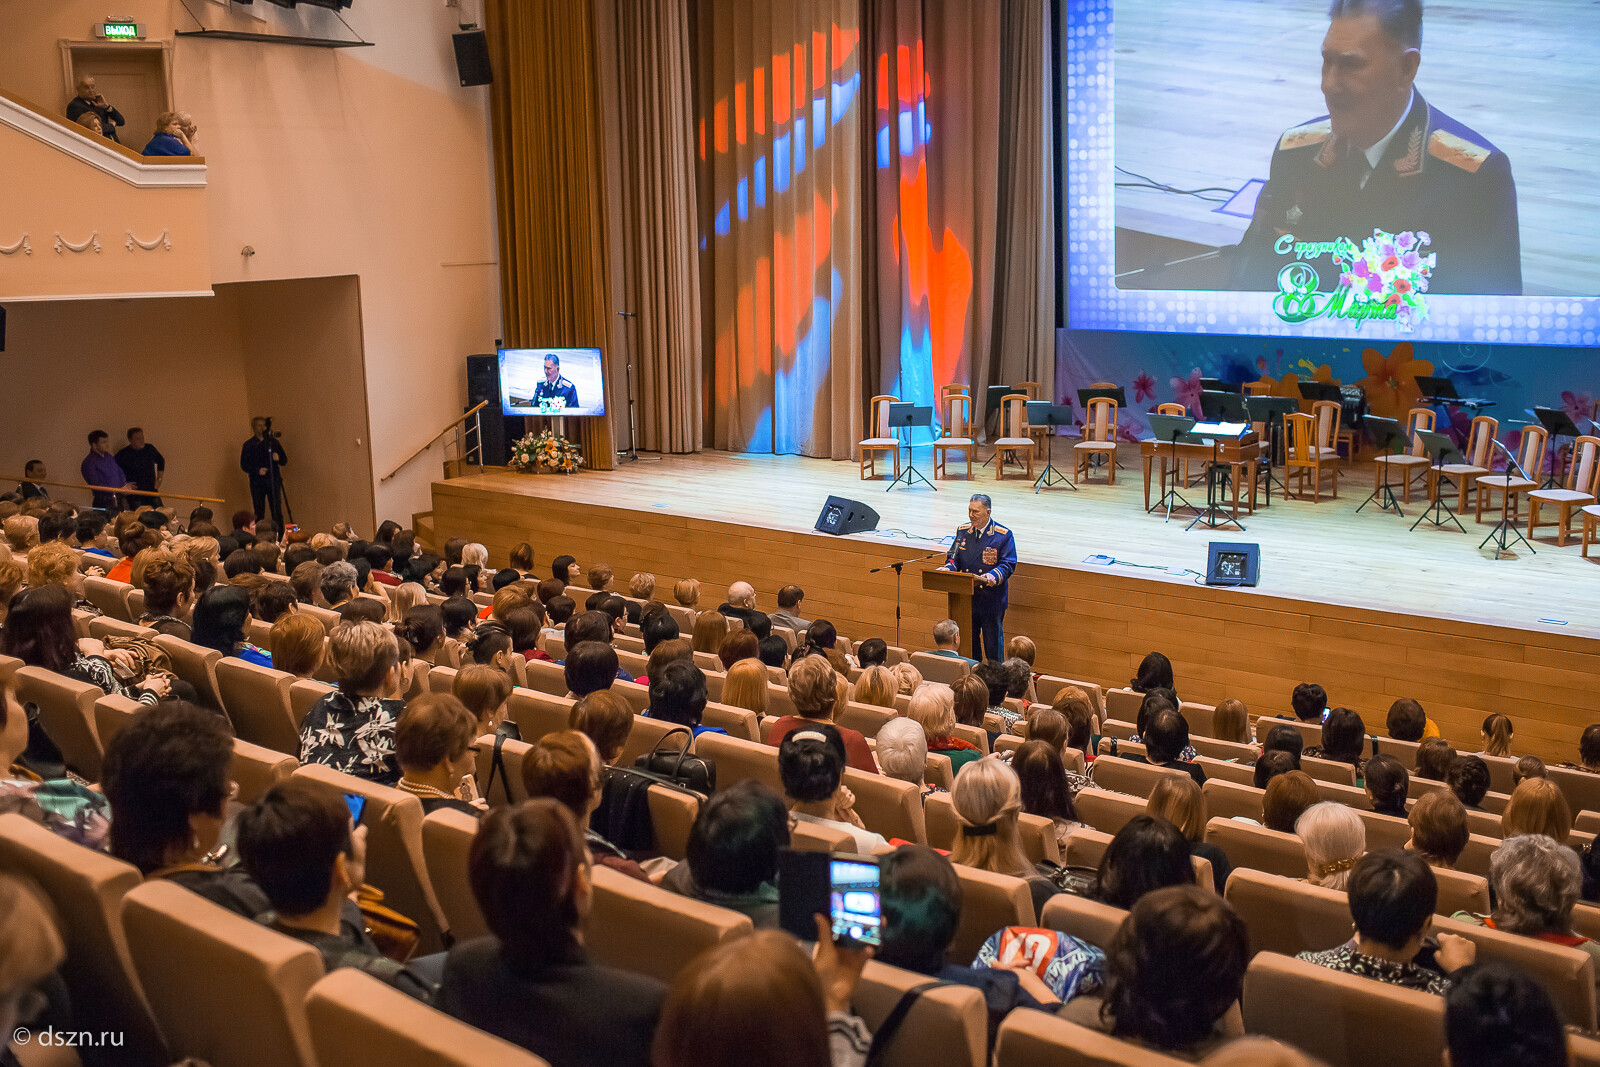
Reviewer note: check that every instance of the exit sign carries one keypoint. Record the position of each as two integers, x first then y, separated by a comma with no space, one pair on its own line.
120,31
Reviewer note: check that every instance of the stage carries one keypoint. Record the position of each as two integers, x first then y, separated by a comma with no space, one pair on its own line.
1357,602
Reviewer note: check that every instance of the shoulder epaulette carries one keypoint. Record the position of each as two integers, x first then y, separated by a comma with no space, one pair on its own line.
1307,136
1000,529
1458,151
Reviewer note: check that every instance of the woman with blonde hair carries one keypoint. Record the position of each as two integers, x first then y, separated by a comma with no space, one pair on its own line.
404,597
987,797
1335,837
1497,731
484,691
745,686
687,593
1231,722
1177,799
909,677
1537,806
710,628
877,686
297,640
933,706
352,728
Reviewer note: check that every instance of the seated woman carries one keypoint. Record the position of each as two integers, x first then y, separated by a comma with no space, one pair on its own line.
433,744
490,646
1439,829
168,596
1180,802
1527,767
1534,882
710,628
877,686
219,621
566,766
1288,796
745,686
1147,854
530,982
907,678
1468,779
988,798
933,709
166,776
1157,700
607,720
814,692
1335,837
1050,726
1434,757
739,645
298,642
1083,721
1151,996
73,811
678,696
1497,734
1231,722
39,632
422,628
483,691
1155,672
352,728
903,753
811,762
1344,738
1166,738
686,591
1045,791
732,855
404,597
1387,782
1537,806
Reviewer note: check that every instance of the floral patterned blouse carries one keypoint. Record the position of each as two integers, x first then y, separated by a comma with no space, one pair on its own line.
354,735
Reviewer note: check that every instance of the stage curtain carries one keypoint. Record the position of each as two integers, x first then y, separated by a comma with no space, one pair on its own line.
660,235
778,86
1024,306
934,146
545,114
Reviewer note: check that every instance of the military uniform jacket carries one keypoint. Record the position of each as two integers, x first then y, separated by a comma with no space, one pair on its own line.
558,388
1436,175
991,551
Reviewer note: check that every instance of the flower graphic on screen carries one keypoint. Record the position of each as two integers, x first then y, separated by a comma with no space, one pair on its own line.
1389,271
1144,388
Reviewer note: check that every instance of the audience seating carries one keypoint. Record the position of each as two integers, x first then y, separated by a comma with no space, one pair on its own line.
1038,834
9,666
1258,848
1106,811
258,769
110,597
1327,770
111,714
195,665
1123,705
939,668
226,991
1086,847
303,695
1124,776
66,711
258,702
109,626
989,902
1035,1039
1088,920
1049,687
640,927
948,1025
446,840
813,837
1221,750
1226,771
1356,1022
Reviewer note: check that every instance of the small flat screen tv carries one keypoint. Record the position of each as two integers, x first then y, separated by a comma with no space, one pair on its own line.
551,381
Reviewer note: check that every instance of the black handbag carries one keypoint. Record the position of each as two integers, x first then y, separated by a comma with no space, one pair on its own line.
679,767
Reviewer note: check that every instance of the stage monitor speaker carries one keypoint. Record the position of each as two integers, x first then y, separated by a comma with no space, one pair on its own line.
483,383
472,57
1233,563
841,516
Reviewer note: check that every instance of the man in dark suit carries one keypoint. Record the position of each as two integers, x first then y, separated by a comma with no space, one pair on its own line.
1384,158
91,99
31,488
987,549
260,458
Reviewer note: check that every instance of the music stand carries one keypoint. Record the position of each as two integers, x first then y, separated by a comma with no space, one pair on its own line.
1220,406
993,395
1168,429
1217,385
1214,516
1270,410
1315,391
1558,424
1440,448
1505,526
1439,390
906,417
1044,413
1386,433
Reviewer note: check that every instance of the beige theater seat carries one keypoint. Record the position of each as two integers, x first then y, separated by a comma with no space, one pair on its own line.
1087,846
258,769
1035,1039
227,991
1106,811
989,902
1327,770
647,735
358,1021
196,665
547,677
106,626
1225,771
110,597
66,711
507,787
1124,776
739,722
1567,974
1123,704
640,927
866,719
813,837
86,889
442,679
303,696
446,841
1228,800
537,714
111,714
394,850
1258,848
946,1026
1049,687
258,702
9,666
1288,916
1357,1022
1088,920
939,668
1038,834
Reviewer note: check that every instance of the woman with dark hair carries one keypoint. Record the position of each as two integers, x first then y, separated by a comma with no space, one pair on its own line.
1155,672
1387,782
521,559
422,628
1044,787
386,531
1344,739
219,621
564,569
39,632
1146,854
820,637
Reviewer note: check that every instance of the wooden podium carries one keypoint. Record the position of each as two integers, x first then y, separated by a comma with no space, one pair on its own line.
958,587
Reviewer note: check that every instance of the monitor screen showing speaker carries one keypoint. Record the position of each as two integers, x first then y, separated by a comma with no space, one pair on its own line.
552,381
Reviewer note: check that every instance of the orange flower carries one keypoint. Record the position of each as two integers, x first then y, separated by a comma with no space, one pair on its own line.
1391,381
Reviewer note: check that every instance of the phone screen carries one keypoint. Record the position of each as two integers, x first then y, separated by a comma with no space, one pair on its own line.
855,904
1325,713
357,804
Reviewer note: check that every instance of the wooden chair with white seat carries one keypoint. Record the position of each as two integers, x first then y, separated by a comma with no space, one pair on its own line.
1306,457
1328,414
1357,1022
226,991
955,434
1413,459
1099,439
1591,523
1530,457
1014,440
1180,410
1036,1039
1478,457
1583,482
882,439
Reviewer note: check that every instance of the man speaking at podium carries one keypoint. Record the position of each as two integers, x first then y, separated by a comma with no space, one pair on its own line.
985,549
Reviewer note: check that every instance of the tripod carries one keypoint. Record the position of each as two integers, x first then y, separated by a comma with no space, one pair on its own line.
1439,448
1384,432
276,493
907,417
1168,428
1214,516
1505,529
897,568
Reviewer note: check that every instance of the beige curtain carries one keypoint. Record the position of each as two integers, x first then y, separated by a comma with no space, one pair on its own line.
1024,302
660,236
548,183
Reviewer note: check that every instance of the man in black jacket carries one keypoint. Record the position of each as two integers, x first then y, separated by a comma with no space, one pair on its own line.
260,459
91,99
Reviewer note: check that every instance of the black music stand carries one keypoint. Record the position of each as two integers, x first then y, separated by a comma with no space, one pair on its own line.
1217,385
1044,413
1270,411
1214,517
1315,391
1386,434
1505,529
1440,448
1220,406
1558,424
1112,393
907,417
1437,390
1168,430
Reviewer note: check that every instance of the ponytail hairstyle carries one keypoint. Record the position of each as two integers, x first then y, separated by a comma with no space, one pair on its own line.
1497,735
488,641
421,628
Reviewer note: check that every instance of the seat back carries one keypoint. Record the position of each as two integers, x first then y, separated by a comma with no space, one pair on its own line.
1287,915
629,914
442,679
546,677
110,597
878,416
956,414
887,805
537,714
1357,1021
948,1025
1123,705
507,785
303,695
989,902
1530,450
1582,788
1227,771
1171,408
672,816
1038,834
1567,974
1125,776
1014,415
86,889
1085,919
1583,476
1049,687
1419,419
1035,1039
737,760
1258,848
1300,433
394,849
1327,770
227,991
739,722
1106,811
196,665
258,769
111,714
446,841
1230,800
865,719
1480,441
1100,421
66,711
109,626
1327,413
814,837
258,702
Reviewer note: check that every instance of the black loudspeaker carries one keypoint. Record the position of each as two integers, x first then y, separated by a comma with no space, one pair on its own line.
483,383
472,57
841,516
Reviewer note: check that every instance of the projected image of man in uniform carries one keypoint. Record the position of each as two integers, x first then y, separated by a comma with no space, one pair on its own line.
1384,158
554,386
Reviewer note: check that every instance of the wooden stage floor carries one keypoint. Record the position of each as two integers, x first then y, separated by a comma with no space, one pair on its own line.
1358,602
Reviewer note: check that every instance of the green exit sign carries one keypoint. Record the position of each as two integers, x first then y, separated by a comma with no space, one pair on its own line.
120,31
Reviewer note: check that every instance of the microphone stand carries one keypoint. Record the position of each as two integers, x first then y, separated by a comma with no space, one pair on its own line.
1505,526
897,568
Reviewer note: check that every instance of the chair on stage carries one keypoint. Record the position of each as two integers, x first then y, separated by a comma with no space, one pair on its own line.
1414,457
1033,390
1480,449
1583,480
1591,520
1530,457
1257,388
1327,413
1013,437
1306,456
1178,410
882,439
1099,438
956,432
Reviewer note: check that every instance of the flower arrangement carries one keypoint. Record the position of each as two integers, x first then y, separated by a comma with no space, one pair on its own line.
1390,271
546,451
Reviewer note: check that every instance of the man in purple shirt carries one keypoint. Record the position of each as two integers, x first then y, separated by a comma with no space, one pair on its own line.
100,467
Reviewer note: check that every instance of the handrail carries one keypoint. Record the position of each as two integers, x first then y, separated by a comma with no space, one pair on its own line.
117,489
463,417
104,142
